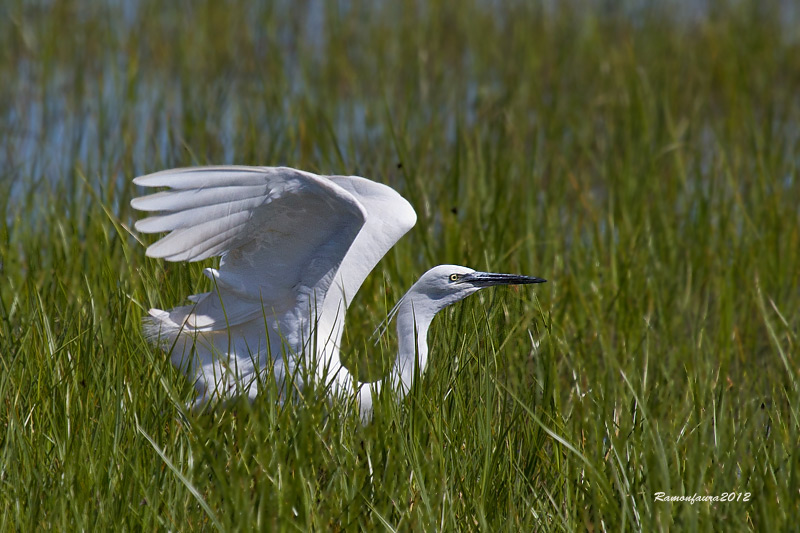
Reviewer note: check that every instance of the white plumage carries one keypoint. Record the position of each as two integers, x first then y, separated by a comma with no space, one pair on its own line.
295,248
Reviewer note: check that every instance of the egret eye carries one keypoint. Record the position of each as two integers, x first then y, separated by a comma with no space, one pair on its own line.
455,277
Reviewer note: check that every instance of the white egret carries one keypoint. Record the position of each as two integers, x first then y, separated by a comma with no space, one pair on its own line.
295,247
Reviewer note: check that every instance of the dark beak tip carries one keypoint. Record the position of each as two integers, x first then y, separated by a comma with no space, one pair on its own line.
527,280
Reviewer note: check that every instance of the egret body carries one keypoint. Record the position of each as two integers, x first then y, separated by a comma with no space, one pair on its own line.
295,248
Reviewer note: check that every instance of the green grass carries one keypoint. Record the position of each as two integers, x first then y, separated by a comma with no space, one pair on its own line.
644,162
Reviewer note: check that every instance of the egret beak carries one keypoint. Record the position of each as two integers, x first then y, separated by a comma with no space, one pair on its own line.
487,279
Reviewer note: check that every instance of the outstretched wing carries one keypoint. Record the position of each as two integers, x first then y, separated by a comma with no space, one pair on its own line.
282,235
389,217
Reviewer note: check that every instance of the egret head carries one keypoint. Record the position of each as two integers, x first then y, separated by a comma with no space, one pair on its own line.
446,284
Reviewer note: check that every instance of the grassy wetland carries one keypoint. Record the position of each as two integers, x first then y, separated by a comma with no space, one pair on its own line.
644,159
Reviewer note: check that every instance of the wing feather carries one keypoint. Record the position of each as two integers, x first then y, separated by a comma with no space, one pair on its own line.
177,200
190,217
201,241
202,177
282,234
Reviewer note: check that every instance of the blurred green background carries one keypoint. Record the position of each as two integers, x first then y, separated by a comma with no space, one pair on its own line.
643,157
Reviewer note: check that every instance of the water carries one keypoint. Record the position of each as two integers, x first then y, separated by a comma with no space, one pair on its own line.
118,116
